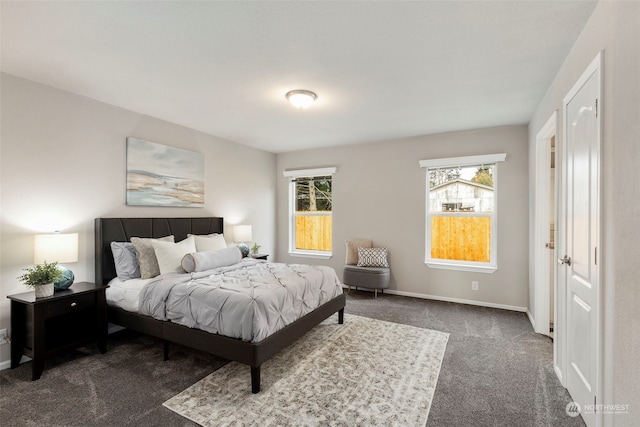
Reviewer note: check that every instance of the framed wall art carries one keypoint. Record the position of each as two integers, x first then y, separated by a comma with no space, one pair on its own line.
161,175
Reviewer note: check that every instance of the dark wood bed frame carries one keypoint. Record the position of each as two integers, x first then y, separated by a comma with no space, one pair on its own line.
109,230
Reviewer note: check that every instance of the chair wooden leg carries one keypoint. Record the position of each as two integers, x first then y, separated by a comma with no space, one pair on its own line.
375,293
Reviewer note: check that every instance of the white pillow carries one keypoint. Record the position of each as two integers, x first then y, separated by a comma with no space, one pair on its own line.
170,254
210,242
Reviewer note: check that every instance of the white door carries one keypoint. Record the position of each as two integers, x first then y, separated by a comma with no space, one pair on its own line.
580,264
545,215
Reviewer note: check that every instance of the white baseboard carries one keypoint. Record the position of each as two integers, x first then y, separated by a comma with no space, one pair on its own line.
531,319
558,374
7,363
113,328
448,299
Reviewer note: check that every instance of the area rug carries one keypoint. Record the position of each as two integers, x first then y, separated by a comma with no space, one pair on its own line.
365,372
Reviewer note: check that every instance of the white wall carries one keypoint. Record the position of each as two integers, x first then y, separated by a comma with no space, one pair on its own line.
614,28
62,164
379,193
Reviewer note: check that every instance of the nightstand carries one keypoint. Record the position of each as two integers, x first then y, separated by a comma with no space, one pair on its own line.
44,327
259,256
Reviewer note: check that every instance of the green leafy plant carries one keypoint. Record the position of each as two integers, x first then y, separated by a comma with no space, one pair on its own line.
41,274
255,248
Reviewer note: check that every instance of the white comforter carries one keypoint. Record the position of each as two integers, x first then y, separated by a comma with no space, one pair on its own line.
249,300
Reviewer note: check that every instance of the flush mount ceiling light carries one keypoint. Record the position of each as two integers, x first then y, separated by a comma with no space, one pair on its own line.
301,98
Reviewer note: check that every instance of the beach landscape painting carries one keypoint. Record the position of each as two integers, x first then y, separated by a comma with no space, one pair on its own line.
161,175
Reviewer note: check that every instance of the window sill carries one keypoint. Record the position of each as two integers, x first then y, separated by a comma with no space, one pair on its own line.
461,267
317,255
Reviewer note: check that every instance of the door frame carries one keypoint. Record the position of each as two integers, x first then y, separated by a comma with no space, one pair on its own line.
596,66
541,226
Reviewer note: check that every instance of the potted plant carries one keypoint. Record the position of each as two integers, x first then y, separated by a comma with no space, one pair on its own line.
255,248
41,278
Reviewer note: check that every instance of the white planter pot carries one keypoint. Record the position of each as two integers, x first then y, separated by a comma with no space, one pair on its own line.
43,291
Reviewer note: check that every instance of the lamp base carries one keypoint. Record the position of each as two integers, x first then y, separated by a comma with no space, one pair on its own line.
67,278
244,248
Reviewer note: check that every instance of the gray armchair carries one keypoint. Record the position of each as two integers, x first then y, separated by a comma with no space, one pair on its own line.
366,267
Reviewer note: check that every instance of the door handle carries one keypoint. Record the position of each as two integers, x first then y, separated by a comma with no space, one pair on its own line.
566,260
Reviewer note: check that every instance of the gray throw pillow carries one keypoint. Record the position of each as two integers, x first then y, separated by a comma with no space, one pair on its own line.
124,256
146,255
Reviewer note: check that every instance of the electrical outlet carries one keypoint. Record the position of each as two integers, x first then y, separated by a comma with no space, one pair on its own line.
474,286
3,336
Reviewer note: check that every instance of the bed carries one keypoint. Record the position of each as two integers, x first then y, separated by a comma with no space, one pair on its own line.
254,354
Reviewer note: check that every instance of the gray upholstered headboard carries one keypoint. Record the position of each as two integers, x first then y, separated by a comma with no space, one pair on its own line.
109,230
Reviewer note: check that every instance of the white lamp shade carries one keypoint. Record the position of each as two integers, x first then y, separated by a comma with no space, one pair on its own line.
242,233
56,247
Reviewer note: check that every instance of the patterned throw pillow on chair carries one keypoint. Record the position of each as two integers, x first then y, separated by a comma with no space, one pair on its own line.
372,257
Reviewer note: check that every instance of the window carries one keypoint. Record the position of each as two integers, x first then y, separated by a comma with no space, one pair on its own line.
461,215
310,212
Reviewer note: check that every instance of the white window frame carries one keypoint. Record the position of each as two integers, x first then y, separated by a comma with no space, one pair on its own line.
453,162
302,173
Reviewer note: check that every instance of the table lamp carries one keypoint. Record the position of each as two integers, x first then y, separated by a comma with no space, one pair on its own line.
60,248
242,235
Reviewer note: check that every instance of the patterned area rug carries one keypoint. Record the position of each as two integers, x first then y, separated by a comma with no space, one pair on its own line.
365,372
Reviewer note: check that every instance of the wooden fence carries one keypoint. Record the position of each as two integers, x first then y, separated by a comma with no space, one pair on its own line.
313,233
452,237
461,238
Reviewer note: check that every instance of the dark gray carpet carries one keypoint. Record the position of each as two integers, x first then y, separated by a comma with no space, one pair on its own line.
496,372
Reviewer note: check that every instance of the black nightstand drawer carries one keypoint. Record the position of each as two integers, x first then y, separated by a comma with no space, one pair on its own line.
71,305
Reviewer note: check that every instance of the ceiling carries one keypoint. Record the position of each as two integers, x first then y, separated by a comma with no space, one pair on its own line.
381,70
